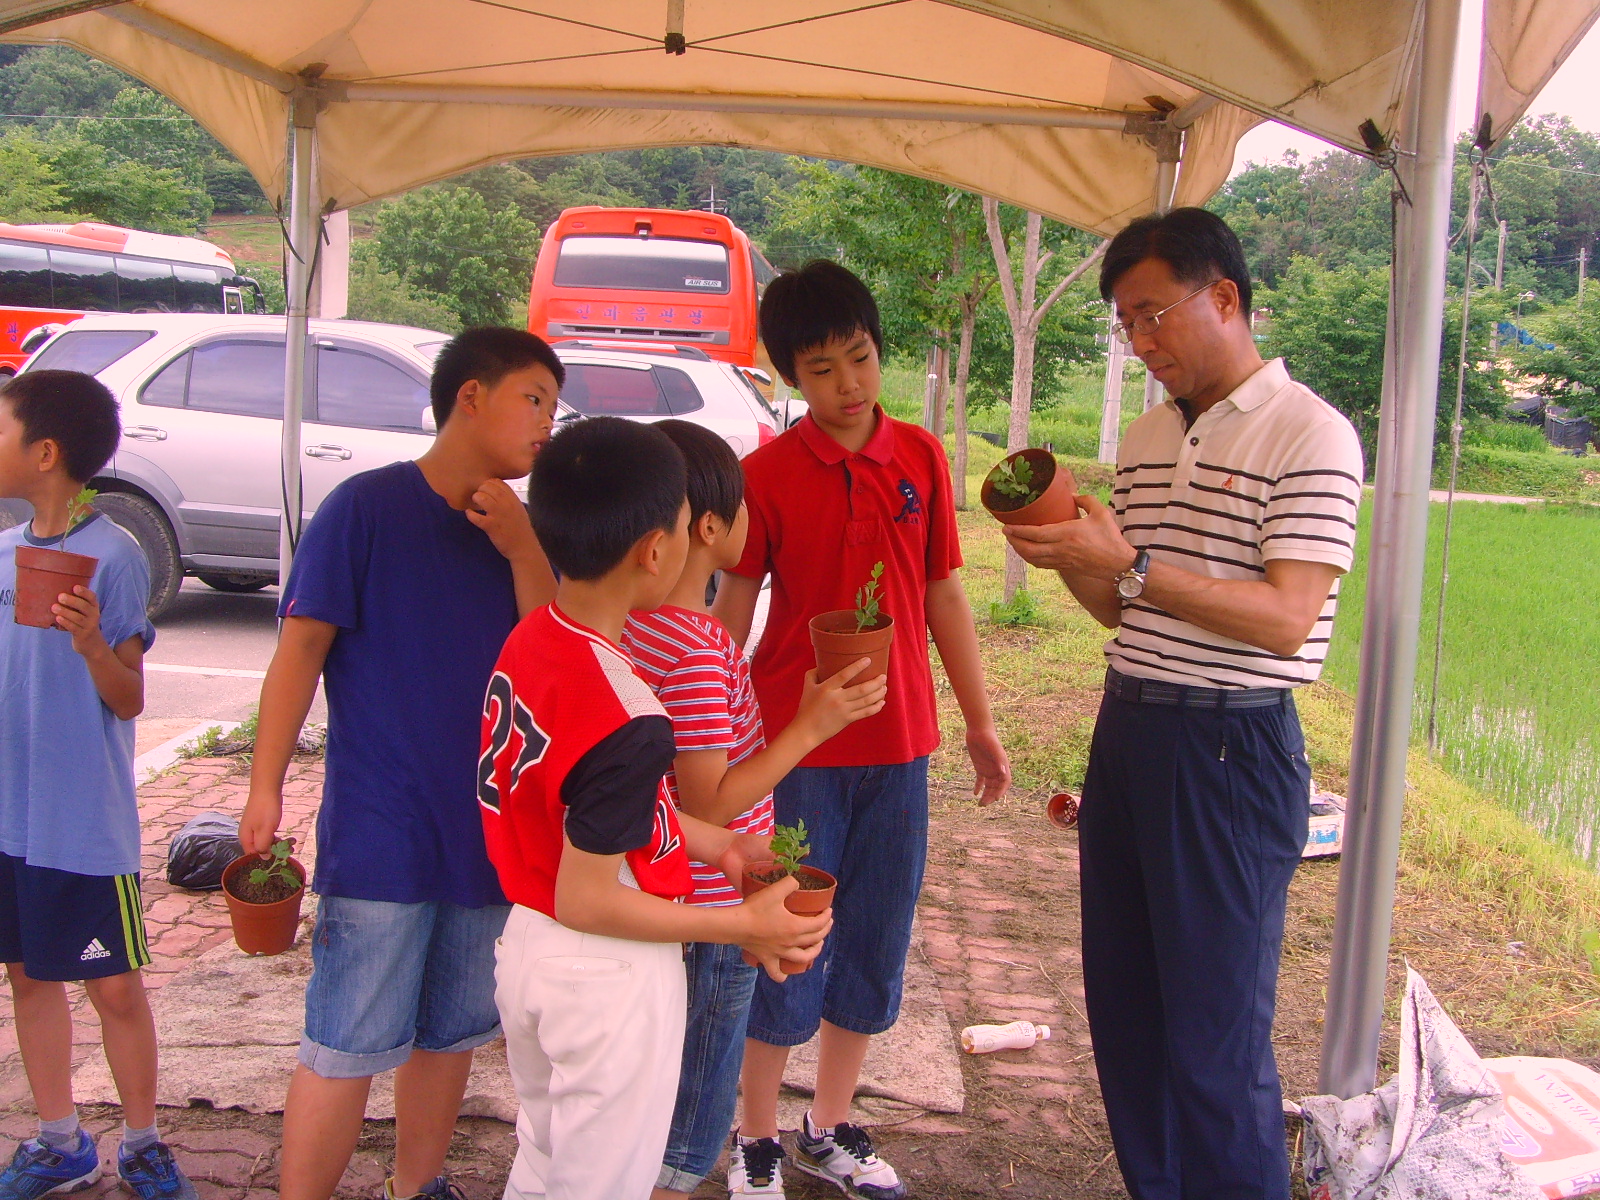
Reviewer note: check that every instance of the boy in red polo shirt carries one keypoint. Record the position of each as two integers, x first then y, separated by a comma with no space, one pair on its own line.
846,488
590,978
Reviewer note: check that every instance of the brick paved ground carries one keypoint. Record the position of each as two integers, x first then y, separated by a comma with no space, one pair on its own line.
999,929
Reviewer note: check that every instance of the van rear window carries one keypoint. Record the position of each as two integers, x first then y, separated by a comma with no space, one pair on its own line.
643,264
88,350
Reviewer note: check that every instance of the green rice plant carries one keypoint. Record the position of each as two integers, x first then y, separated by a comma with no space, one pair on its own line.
1518,712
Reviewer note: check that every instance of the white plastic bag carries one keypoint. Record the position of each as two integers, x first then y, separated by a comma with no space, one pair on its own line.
1430,1133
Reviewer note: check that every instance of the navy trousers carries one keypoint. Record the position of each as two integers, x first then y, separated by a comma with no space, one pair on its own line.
1192,825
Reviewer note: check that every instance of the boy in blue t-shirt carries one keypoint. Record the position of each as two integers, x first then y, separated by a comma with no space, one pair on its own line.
403,591
69,821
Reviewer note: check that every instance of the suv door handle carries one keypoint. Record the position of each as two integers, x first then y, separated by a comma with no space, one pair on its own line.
326,451
145,433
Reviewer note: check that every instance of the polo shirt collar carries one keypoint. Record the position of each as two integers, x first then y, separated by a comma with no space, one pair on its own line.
879,448
1260,387
1253,392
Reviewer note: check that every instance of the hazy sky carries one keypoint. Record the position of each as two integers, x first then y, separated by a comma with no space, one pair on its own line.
1572,92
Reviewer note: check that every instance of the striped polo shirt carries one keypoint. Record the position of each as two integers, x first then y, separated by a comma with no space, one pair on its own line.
1272,471
703,681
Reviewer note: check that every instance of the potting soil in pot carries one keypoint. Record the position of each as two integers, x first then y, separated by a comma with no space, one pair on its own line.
808,882
272,890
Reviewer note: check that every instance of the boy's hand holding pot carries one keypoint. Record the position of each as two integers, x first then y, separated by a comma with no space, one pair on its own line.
828,705
774,933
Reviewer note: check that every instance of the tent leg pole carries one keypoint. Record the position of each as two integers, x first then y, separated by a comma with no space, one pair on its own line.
1166,185
303,234
1111,397
1398,542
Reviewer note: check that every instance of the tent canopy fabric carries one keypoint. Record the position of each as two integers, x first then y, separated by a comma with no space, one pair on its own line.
1054,105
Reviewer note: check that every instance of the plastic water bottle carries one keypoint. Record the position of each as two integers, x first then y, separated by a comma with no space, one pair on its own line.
1019,1035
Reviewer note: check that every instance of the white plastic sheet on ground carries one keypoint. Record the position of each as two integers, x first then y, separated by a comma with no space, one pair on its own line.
1430,1133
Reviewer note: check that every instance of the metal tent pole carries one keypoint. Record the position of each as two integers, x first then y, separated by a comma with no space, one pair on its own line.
302,233
1167,156
1394,593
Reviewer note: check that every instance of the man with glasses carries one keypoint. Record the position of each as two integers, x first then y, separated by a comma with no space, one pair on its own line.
1232,518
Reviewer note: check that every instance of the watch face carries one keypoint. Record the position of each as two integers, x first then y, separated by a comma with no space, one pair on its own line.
1130,587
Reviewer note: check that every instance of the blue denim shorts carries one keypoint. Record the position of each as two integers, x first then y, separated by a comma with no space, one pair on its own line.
868,826
387,978
720,986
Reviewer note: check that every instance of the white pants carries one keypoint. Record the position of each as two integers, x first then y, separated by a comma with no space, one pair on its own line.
594,1038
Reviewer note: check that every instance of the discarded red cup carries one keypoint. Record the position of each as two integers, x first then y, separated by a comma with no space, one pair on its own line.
1062,810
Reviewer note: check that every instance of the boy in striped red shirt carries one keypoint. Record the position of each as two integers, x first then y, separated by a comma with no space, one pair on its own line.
723,774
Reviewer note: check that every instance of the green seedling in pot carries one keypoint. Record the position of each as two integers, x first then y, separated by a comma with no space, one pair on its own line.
277,866
1014,479
79,509
867,598
790,845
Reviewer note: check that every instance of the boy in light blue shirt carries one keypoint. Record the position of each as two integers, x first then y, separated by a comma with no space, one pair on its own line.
69,819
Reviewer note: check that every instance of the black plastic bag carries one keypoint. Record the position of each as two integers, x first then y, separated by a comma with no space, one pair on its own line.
201,851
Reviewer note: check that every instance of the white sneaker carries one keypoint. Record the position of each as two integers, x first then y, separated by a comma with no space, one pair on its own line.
845,1157
755,1168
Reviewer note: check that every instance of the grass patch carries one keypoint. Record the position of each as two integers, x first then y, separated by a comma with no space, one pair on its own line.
1501,918
1499,470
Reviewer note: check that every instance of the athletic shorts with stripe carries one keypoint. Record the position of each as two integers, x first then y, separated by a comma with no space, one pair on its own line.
62,926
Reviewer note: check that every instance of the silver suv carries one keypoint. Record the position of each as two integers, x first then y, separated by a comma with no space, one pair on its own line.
196,479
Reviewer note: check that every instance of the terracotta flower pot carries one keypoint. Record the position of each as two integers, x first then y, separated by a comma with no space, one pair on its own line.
802,902
1058,502
42,575
834,638
262,928
1062,810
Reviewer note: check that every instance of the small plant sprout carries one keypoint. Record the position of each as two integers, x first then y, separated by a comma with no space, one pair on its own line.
790,845
867,598
79,509
1014,478
277,866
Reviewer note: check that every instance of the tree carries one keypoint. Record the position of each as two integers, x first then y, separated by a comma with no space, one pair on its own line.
29,191
1330,326
145,128
1571,371
450,248
379,295
1026,312
65,178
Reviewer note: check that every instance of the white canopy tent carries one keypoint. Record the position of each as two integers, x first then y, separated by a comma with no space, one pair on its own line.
1090,111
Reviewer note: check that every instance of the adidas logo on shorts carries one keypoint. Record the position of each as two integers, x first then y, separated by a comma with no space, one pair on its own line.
93,951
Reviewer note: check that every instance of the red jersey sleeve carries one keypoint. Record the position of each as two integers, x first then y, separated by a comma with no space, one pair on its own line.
944,539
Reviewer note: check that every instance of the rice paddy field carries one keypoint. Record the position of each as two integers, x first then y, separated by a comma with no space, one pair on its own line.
1518,705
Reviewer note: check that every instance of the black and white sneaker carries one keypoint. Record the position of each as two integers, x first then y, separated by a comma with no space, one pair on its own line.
845,1157
755,1168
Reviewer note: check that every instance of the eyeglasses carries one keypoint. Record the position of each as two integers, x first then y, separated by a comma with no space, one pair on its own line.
1147,323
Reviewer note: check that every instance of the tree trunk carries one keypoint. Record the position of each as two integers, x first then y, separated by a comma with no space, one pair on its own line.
1024,336
969,321
941,395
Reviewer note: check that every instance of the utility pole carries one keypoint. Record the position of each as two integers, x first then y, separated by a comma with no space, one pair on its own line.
1583,270
1500,258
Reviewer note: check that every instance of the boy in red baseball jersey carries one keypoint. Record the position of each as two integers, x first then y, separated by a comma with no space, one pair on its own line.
588,848
845,489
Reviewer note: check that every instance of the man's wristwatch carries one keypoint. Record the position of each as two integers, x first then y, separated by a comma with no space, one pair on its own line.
1130,584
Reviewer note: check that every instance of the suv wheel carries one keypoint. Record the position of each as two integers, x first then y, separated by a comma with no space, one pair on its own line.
149,528
236,583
